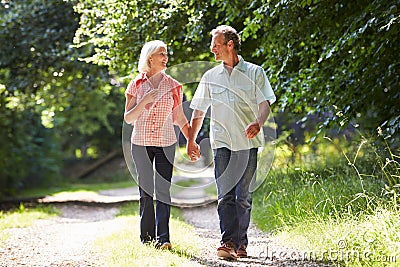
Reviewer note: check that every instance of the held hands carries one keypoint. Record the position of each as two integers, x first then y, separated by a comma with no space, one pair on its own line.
193,150
252,130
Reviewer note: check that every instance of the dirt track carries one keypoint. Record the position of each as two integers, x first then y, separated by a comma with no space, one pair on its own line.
67,240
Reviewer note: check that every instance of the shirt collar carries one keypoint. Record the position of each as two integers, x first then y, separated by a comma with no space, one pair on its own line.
240,66
143,76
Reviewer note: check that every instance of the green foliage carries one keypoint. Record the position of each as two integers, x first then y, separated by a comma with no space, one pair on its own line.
288,198
29,155
343,204
333,58
324,183
336,59
50,100
30,45
118,30
362,240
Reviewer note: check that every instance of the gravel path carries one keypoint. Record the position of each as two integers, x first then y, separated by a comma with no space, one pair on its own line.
262,250
64,241
67,240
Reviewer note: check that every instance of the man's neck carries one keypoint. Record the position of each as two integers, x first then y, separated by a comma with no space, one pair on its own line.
231,62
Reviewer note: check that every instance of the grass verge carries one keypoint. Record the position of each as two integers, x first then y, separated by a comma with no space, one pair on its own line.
24,217
87,186
366,240
123,248
329,210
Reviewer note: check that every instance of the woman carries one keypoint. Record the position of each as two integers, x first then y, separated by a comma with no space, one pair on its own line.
153,106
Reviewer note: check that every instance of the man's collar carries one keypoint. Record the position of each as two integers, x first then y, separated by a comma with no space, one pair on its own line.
240,66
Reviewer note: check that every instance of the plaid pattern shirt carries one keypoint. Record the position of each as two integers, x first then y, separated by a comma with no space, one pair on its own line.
155,126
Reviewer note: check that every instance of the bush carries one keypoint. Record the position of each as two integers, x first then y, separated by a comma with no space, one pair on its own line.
28,152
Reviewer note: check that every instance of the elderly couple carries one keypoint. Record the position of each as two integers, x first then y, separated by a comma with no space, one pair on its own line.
239,95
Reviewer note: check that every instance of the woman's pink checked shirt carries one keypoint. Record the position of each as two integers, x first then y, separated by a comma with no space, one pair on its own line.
155,126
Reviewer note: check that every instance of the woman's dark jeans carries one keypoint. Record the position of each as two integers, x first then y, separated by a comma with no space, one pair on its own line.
234,171
154,225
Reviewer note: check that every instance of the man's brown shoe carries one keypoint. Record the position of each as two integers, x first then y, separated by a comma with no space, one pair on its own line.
164,246
227,251
241,252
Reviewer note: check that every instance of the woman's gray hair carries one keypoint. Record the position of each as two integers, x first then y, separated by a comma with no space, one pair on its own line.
148,49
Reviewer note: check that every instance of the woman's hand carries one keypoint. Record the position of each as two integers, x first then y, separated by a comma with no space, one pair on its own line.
149,98
193,150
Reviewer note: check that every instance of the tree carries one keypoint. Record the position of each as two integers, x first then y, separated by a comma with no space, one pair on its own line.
50,102
331,58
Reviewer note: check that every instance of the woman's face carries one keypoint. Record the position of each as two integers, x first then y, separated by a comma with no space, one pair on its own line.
159,60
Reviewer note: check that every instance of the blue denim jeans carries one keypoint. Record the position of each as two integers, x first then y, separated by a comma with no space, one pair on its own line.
234,171
154,224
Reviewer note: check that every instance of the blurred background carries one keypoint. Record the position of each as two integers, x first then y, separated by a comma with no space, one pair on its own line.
64,67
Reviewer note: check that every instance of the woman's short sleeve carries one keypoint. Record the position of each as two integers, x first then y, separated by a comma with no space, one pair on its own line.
177,94
132,88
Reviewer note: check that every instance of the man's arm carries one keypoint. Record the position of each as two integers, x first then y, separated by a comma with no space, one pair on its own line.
192,148
254,128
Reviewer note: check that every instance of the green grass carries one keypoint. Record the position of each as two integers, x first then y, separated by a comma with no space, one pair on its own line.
123,248
73,187
334,206
291,196
332,201
24,217
366,240
112,177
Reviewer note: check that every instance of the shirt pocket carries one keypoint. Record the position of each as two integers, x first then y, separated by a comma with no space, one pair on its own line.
245,100
219,94
245,92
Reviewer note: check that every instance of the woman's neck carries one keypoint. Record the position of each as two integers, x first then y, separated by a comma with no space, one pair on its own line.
152,73
154,78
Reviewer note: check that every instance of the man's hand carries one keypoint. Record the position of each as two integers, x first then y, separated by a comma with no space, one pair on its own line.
193,150
252,130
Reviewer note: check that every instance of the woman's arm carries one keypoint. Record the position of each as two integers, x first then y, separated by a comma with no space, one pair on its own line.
181,121
133,109
192,148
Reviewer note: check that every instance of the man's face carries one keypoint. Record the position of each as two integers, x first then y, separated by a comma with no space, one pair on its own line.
219,47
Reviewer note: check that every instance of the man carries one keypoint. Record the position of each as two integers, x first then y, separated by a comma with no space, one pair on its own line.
240,95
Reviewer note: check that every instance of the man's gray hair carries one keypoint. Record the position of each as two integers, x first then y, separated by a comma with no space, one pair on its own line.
229,34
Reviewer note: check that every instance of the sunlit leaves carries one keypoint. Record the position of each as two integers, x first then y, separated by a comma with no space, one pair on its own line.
316,53
346,48
45,92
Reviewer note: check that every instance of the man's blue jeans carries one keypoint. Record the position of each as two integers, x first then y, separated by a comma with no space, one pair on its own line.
234,171
154,225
